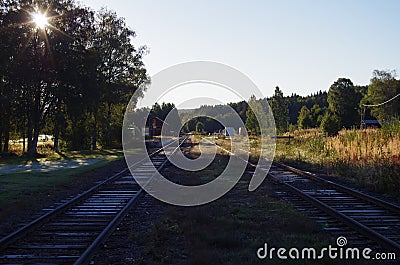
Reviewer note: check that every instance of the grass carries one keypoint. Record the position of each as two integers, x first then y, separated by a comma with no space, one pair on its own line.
368,158
50,155
20,186
231,229
225,232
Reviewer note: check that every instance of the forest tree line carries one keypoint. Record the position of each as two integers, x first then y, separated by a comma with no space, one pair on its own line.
340,107
71,79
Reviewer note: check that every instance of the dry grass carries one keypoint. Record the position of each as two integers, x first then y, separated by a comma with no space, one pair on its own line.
370,158
44,147
366,147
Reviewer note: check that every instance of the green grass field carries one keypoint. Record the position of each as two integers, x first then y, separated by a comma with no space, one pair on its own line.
19,186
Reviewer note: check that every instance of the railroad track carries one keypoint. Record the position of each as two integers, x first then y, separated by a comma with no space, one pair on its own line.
71,233
366,220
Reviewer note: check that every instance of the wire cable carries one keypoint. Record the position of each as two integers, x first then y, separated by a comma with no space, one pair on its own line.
378,105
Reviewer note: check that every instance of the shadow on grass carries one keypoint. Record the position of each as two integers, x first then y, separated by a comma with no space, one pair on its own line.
61,154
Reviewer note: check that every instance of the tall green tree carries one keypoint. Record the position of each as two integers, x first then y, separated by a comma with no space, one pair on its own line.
305,120
280,110
344,101
240,108
382,88
7,96
121,69
252,125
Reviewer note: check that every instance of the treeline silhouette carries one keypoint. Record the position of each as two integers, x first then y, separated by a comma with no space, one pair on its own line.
70,78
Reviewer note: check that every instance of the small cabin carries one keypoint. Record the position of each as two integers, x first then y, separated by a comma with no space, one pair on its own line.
154,125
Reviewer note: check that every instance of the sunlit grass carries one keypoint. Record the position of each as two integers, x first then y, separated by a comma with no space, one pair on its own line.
370,158
46,152
20,186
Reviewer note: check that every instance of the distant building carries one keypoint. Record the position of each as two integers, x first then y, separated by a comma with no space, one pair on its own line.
132,130
369,124
45,138
154,125
229,131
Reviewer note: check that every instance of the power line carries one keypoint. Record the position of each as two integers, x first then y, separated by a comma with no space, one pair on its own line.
377,105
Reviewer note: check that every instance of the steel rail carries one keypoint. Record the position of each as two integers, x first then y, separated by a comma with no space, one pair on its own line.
352,223
90,251
362,229
387,205
48,217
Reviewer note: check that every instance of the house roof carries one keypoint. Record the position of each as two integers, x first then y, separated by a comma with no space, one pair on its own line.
370,122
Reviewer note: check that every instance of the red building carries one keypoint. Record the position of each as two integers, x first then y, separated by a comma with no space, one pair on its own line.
155,125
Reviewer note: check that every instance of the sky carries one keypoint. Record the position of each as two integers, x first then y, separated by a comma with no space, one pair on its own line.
300,46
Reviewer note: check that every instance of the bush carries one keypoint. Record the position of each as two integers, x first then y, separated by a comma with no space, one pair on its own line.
330,124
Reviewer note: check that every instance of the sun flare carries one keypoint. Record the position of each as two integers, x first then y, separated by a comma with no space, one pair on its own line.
40,20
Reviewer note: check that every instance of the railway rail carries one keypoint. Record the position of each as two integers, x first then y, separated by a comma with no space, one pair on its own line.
72,232
366,220
340,208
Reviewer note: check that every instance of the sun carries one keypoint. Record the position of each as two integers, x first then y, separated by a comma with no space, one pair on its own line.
40,20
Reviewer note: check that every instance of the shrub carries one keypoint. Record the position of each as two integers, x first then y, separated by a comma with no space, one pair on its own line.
330,124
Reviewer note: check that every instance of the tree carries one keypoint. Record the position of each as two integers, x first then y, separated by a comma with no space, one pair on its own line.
121,70
7,97
76,95
252,124
330,123
317,114
167,111
383,87
12,71
305,120
162,111
32,71
344,101
240,108
71,78
280,110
